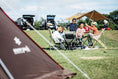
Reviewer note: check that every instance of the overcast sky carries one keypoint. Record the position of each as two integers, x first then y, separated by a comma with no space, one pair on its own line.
61,8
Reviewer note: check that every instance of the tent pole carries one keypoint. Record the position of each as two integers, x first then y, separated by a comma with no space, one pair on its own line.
6,70
90,17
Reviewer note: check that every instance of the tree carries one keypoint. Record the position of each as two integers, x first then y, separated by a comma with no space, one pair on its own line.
37,23
80,20
62,23
114,16
87,20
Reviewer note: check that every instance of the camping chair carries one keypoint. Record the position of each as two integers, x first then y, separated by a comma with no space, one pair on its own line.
80,44
97,39
88,41
69,37
58,44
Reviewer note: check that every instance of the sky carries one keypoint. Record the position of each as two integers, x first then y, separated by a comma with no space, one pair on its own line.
61,8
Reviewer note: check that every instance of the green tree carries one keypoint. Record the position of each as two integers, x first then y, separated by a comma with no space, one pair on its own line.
37,23
80,20
114,19
87,20
62,23
114,16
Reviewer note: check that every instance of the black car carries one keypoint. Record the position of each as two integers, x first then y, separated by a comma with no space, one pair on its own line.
23,24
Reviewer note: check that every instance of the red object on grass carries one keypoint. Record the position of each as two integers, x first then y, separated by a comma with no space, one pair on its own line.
108,28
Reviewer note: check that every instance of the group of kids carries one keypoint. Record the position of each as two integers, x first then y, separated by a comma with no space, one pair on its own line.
79,32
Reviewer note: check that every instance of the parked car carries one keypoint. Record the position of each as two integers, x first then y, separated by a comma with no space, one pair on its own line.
49,22
28,18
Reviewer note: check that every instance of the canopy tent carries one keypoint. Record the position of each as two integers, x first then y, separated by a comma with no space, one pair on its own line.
22,58
94,15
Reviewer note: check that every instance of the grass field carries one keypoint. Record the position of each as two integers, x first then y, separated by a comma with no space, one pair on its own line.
98,64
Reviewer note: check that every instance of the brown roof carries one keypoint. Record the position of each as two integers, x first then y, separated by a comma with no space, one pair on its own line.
94,15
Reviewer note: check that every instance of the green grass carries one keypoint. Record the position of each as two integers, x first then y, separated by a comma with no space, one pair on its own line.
106,68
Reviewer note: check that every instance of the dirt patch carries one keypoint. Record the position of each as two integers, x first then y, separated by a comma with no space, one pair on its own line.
93,58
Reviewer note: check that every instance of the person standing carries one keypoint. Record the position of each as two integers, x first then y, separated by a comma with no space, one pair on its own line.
105,24
72,26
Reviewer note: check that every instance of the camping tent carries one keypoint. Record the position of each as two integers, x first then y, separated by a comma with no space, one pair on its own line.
94,15
22,58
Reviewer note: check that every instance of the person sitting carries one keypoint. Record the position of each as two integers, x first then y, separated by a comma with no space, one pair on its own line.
72,26
80,32
94,34
57,36
93,27
105,24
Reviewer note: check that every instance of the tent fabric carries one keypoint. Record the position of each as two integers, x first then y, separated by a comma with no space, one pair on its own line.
77,16
94,15
3,74
23,57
